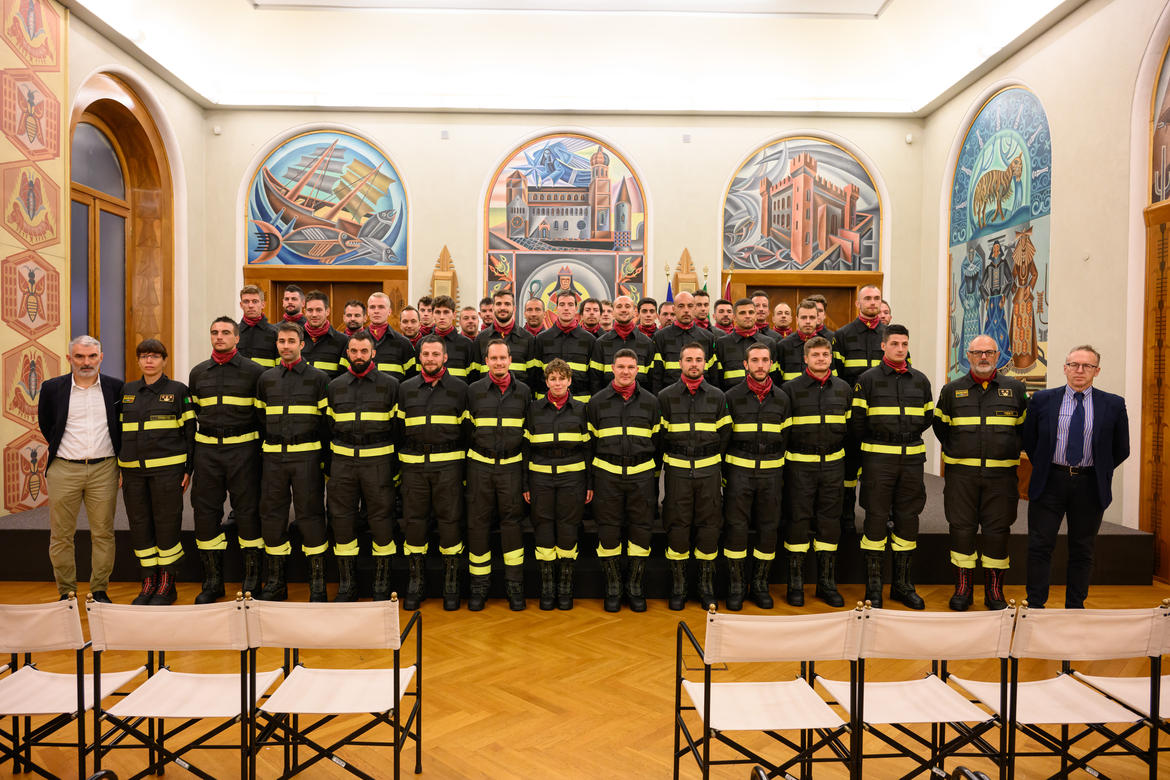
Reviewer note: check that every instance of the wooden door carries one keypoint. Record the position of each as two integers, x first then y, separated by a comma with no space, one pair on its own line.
1153,512
339,293
340,284
839,288
840,305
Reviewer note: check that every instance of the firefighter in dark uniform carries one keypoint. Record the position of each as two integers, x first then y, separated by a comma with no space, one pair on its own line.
156,456
324,347
433,405
293,397
696,428
520,343
790,362
227,459
623,335
393,352
625,423
293,302
363,408
857,347
257,336
978,420
731,348
461,355
753,473
560,481
892,408
497,478
567,340
670,340
814,468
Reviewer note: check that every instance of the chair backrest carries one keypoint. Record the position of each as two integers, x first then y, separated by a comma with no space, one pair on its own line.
39,628
832,636
936,636
1161,633
1086,634
371,625
176,627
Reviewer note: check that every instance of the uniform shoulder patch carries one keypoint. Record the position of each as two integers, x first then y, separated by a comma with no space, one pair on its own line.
127,399
1005,392
167,398
961,393
857,387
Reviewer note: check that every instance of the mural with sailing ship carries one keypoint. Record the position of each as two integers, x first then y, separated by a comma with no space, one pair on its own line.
326,198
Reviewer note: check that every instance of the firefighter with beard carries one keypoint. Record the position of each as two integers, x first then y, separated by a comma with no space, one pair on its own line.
790,350
363,407
503,327
731,349
624,335
324,346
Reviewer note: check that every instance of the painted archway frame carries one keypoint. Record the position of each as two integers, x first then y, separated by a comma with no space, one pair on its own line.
999,232
565,210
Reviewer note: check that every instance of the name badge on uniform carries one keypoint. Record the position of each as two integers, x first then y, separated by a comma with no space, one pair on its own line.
961,393
1005,392
127,399
169,398
1005,413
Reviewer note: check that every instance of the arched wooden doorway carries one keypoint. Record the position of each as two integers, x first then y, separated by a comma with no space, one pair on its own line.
137,227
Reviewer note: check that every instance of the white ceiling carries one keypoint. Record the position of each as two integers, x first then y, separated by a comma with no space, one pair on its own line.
751,56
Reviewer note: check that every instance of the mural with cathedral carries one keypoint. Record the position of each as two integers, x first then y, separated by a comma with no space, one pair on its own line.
802,204
1000,215
565,211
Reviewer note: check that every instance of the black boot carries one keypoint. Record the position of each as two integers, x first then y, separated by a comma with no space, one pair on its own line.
993,597
903,589
565,585
548,585
964,589
613,583
164,592
827,579
275,587
707,584
735,589
450,582
381,578
678,585
873,577
347,589
317,592
514,590
253,566
478,591
759,590
634,593
795,593
416,589
149,583
212,561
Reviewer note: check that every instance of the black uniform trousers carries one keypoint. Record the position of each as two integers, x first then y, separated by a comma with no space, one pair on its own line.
1075,497
432,490
557,506
892,482
495,490
294,479
154,508
752,499
691,503
624,503
223,470
975,497
356,483
812,503
851,476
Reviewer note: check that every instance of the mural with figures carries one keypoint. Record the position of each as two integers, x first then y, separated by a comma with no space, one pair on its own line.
326,198
565,212
1000,215
802,204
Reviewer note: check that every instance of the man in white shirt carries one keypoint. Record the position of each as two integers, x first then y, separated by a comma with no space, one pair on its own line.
78,416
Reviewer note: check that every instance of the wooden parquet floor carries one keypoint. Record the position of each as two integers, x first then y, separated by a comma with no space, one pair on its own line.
579,694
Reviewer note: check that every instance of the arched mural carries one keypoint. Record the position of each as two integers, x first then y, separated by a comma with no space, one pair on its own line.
1160,176
1000,214
565,211
801,204
326,197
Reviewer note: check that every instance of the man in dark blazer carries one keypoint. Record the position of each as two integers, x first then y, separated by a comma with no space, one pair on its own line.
1075,437
78,416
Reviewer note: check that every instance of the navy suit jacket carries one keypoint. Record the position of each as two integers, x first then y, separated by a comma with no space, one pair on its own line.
53,410
1110,438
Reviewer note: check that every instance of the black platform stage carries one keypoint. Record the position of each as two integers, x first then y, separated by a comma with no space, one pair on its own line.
1124,556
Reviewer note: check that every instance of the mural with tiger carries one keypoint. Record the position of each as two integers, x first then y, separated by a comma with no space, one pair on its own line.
995,185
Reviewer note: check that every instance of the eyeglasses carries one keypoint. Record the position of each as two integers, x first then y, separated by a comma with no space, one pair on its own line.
982,352
1080,366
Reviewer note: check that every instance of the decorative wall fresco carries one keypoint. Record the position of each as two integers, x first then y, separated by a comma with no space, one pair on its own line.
326,198
1160,135
802,204
1000,214
565,211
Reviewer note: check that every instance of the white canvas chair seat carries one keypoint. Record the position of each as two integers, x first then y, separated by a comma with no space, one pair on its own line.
764,706
1133,692
927,700
1056,701
168,694
338,691
29,691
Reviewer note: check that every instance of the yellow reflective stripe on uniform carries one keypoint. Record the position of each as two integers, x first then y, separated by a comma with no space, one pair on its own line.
1006,421
245,544
459,372
636,550
203,438
700,426
577,366
501,422
801,457
595,366
167,557
226,400
542,438
284,549
734,373
146,552
514,557
941,415
493,461
688,463
898,544
391,367
269,362
674,555
546,553
434,457
295,409
308,446
355,416
819,546
159,425
324,365
671,364
605,465
870,544
543,469
789,375
817,419
346,550
761,427
153,463
852,362
434,419
385,549
996,563
368,452
909,411
751,463
604,433
582,398
415,549
218,543
964,560
977,462
796,548
129,427
860,402
316,549
608,552
734,555
456,549
569,554
763,556
894,449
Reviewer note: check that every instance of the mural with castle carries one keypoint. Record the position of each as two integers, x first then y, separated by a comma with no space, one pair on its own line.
565,209
802,204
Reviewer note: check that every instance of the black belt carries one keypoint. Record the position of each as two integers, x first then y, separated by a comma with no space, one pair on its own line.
226,432
758,452
1074,471
432,449
828,450
626,463
559,453
894,438
361,439
289,441
694,452
495,454
85,461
